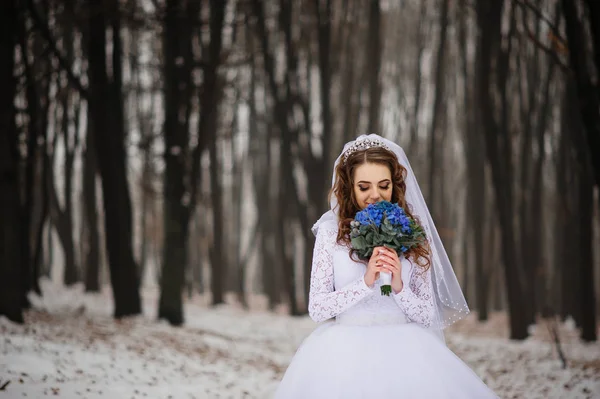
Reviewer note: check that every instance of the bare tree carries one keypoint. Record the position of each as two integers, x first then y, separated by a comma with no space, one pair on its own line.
490,52
11,291
106,109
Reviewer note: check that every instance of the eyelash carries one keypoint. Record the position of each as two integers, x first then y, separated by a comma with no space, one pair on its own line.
366,188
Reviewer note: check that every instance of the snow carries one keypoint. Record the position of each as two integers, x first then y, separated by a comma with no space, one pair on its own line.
70,347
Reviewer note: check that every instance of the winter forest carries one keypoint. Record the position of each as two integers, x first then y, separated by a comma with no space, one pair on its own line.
162,163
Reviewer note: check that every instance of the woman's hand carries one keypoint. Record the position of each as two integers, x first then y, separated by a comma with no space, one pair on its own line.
373,268
390,262
384,260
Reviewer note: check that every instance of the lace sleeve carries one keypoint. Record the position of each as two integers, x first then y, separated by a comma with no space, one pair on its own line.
324,301
416,299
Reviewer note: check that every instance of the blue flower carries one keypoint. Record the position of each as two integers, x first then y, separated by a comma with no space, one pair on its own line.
375,214
403,248
386,206
362,218
395,216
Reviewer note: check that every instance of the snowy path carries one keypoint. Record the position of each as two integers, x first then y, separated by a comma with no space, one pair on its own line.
71,348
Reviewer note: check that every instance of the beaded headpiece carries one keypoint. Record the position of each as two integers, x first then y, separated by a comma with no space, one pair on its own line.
360,145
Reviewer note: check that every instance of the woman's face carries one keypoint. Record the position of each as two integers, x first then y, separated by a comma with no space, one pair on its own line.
372,183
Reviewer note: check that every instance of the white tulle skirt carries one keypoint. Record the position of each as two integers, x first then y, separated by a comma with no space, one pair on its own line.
385,361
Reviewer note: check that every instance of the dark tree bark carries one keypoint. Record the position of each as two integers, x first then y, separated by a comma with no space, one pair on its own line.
62,217
177,44
209,103
288,193
567,210
585,236
588,149
374,49
106,109
146,188
421,43
11,262
179,196
262,168
91,236
435,165
588,93
476,187
498,150
33,216
324,40
347,93
41,93
218,259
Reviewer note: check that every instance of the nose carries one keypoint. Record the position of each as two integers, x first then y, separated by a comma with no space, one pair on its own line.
375,195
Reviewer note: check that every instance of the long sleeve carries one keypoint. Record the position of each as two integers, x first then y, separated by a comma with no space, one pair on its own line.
324,301
416,298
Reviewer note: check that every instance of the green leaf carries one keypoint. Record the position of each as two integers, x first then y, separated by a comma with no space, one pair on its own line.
359,243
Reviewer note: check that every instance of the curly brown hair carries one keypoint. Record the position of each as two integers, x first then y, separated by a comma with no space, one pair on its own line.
348,206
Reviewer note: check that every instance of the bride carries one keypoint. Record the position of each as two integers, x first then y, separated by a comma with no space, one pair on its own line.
379,346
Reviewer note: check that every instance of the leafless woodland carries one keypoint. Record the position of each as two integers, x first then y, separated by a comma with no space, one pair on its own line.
191,143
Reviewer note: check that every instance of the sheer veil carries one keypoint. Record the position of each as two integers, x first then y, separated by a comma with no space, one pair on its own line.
449,301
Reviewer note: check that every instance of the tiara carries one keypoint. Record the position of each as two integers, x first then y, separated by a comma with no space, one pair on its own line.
364,145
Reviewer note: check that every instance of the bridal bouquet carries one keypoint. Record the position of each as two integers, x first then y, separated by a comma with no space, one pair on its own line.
384,224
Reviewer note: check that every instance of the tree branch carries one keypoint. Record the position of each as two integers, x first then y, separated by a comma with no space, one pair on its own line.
45,31
549,51
540,15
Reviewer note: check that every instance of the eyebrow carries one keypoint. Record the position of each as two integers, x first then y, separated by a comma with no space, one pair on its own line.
368,182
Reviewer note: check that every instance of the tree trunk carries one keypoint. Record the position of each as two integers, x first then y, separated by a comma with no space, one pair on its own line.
106,109
347,92
33,216
476,193
40,218
177,45
263,170
489,52
434,144
374,65
585,238
91,236
240,259
583,229
218,262
11,286
565,212
325,55
421,44
62,220
588,93
286,177
588,90
209,103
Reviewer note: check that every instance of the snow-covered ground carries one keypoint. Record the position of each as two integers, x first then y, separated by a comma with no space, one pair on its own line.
71,348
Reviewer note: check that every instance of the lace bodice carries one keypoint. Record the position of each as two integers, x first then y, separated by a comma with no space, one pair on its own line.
338,289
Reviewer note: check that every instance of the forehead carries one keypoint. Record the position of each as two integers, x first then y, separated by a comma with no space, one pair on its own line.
372,173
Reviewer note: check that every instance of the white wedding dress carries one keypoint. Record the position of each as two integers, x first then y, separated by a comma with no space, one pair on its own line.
376,346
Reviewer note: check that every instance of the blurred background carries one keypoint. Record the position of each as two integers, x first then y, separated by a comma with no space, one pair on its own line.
188,145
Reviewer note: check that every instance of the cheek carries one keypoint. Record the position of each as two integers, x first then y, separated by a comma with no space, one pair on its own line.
386,195
360,196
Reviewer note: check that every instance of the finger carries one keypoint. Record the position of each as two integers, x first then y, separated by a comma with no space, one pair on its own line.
391,253
387,256
389,268
380,250
389,260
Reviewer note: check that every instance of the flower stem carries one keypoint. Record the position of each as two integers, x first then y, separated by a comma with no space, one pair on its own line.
386,290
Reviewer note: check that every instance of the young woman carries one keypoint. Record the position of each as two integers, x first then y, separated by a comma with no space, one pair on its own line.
379,346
